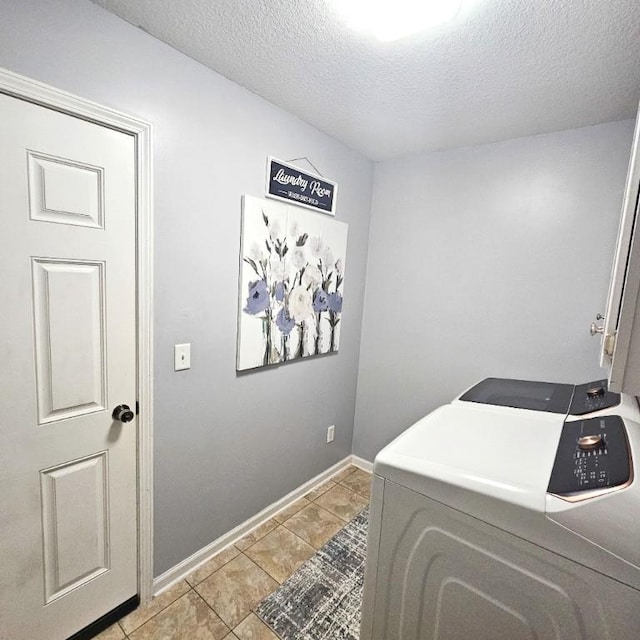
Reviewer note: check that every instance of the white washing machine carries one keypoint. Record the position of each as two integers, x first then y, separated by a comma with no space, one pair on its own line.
492,522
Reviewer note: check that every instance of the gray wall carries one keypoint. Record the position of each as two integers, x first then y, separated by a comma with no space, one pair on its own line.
225,446
487,261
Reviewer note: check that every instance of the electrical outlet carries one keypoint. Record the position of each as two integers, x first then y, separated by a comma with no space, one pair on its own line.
331,433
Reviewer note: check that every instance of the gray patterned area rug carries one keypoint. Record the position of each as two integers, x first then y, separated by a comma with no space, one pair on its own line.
322,599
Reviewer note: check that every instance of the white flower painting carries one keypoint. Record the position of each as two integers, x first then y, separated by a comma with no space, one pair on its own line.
291,283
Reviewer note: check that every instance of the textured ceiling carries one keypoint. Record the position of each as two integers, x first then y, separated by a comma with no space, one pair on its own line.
502,69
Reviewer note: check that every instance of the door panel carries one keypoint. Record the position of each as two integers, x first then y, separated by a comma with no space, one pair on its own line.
75,524
64,191
69,337
68,515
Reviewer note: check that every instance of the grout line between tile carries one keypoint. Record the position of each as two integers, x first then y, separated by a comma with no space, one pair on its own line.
262,569
229,629
193,586
273,577
251,611
344,486
283,524
159,612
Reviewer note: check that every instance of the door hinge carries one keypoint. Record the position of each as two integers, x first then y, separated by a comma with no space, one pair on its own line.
137,407
610,344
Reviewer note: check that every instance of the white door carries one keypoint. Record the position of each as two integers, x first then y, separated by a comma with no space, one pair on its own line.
620,350
68,518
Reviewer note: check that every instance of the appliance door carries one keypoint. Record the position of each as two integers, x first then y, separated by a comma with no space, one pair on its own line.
620,349
521,394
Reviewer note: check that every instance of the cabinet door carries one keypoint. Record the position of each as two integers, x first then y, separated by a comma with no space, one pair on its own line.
620,349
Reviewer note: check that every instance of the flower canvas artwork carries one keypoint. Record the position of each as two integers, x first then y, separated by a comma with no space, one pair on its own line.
291,283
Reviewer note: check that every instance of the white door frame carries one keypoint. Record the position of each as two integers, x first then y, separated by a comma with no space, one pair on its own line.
27,89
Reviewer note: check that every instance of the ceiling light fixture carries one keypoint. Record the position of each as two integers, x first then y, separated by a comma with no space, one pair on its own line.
394,19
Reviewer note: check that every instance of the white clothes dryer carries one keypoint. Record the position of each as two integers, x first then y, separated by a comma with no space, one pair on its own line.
592,398
492,522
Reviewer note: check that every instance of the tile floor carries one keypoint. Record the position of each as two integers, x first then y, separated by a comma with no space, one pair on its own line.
215,602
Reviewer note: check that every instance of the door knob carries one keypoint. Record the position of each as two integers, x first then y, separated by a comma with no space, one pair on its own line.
595,329
123,413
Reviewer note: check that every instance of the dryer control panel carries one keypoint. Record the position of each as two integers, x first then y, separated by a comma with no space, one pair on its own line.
592,454
592,396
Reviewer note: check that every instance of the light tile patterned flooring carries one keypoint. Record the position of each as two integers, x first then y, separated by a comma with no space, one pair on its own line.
215,602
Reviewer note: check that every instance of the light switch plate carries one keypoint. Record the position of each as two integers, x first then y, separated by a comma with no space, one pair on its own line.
182,357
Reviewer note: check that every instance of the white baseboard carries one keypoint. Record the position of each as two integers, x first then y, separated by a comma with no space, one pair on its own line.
365,465
184,568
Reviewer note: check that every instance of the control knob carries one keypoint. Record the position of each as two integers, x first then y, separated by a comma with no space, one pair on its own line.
587,443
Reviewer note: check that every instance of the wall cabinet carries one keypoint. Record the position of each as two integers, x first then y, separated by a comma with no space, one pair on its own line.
620,348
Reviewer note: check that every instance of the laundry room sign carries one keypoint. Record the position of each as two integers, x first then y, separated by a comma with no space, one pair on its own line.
286,182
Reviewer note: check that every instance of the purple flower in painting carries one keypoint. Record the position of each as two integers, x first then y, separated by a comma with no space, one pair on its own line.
335,302
285,322
279,292
320,300
258,299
